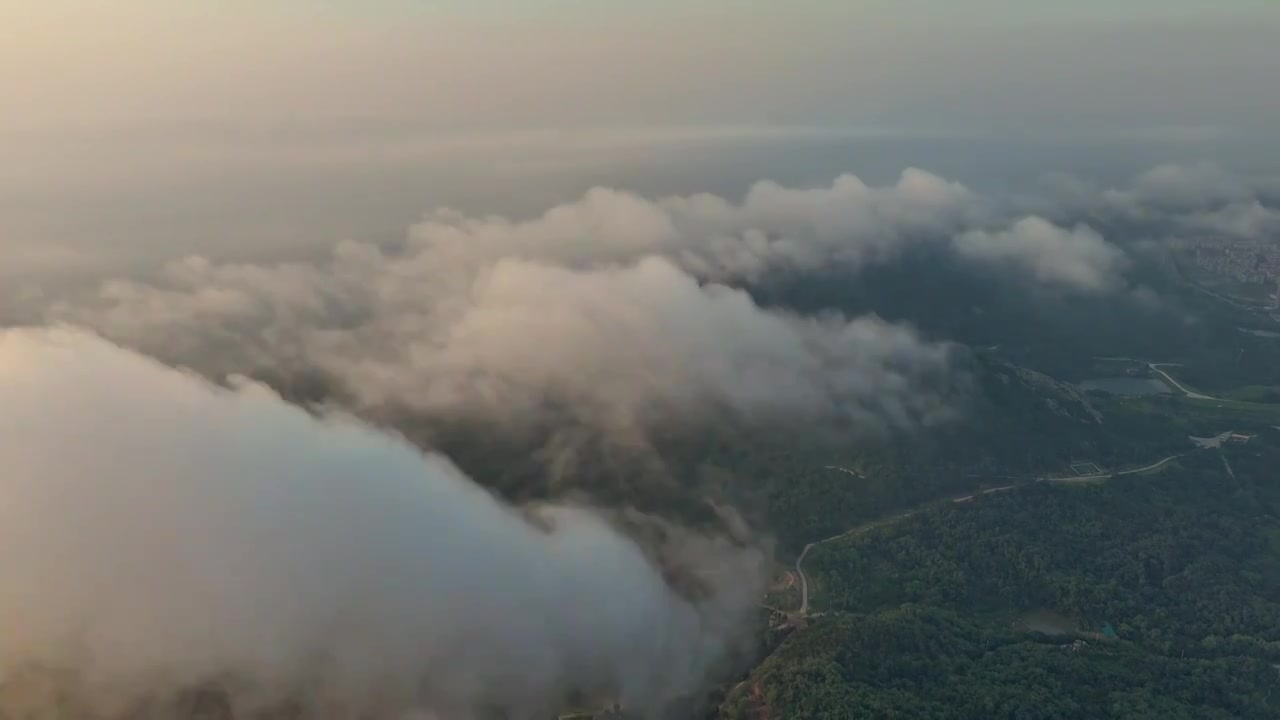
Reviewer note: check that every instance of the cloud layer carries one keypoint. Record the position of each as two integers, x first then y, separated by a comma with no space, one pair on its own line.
1078,258
773,228
157,533
626,311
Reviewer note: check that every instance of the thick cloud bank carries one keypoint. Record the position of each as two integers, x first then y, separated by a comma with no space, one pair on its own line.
624,310
157,533
1175,201
773,228
618,347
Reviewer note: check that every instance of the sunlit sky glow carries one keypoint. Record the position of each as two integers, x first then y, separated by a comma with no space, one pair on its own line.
132,126
147,65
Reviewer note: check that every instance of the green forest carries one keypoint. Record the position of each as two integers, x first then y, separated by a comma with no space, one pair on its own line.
1019,425
1054,334
1162,593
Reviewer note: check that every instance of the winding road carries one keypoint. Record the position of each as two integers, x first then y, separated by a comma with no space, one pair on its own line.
1089,478
866,527
1152,466
1155,367
858,530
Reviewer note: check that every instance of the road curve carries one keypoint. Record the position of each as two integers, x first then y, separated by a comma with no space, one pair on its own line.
1152,466
804,579
859,529
1155,367
1193,395
1091,478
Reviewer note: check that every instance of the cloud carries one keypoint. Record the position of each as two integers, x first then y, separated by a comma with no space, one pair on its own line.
850,224
1185,187
621,348
774,228
1078,258
615,307
632,345
1243,220
1161,193
157,534
1175,199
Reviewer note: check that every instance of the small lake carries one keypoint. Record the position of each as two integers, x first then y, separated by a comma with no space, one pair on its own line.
1128,386
1047,622
1260,333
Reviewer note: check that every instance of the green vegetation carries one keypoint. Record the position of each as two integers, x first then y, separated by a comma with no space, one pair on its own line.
1060,336
1021,425
1247,412
1234,396
1190,536
1201,418
920,623
784,597
1150,595
1017,423
918,663
1268,394
924,617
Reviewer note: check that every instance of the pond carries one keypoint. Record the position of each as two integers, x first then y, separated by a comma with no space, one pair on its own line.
1048,622
1260,333
1128,386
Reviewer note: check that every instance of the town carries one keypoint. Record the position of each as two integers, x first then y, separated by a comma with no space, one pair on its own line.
1253,262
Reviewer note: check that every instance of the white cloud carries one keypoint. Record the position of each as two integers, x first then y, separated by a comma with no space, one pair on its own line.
629,346
849,223
157,533
618,308
1176,188
1078,258
773,228
608,305
622,346
1198,199
1243,220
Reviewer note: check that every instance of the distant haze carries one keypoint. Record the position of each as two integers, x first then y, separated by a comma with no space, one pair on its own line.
139,129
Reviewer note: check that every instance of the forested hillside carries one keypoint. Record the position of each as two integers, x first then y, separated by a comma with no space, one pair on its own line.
1144,597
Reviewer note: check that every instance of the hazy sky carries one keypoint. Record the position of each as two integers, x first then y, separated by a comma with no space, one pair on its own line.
135,129
397,66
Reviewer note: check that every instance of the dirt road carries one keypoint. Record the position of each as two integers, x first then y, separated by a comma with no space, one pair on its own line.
866,527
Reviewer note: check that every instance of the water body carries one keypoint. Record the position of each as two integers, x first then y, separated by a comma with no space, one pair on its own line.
1047,622
1260,333
1128,386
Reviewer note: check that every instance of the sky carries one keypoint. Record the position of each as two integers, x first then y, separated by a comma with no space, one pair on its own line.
140,130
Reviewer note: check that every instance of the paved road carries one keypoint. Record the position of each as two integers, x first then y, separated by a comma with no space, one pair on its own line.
967,498
1135,471
1155,367
1150,467
858,530
804,580
1193,395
